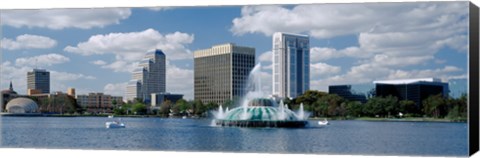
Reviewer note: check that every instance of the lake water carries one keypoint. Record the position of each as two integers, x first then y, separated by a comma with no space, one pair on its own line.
160,134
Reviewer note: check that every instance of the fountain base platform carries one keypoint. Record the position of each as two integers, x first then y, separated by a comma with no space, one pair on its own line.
254,123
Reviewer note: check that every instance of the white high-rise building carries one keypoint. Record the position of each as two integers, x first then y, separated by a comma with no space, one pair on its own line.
291,64
149,77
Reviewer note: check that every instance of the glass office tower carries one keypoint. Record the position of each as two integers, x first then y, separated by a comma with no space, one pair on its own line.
291,64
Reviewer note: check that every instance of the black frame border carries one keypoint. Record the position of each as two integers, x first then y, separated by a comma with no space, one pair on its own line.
473,101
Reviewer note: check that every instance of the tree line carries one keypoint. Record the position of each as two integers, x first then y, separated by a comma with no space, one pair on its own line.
181,107
322,104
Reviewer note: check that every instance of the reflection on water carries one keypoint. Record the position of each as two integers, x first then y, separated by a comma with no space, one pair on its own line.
341,137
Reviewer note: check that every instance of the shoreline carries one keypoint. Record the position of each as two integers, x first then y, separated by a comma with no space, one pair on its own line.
407,119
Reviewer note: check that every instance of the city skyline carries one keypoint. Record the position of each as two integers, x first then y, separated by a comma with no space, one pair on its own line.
95,50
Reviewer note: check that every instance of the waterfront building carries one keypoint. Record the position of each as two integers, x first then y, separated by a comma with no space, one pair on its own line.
411,89
6,96
98,102
159,98
134,90
55,102
221,72
21,105
291,64
71,92
359,92
34,91
39,79
149,77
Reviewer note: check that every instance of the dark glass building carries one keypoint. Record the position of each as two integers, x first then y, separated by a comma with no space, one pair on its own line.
411,89
39,79
159,98
352,92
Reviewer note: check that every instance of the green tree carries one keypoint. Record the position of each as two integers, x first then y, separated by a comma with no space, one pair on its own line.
458,108
408,107
354,108
328,105
309,97
434,106
198,107
208,107
181,107
138,100
139,109
123,109
73,106
165,108
375,106
391,105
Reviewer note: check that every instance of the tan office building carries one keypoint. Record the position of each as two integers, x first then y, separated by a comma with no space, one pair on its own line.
221,72
98,102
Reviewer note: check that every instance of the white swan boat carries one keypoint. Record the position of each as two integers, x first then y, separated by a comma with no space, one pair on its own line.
323,123
115,124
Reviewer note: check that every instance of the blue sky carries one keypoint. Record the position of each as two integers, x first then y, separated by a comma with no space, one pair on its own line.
93,50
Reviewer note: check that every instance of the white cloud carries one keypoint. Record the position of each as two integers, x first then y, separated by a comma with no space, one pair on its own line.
443,73
115,89
266,57
180,80
323,53
163,8
64,18
27,41
415,34
382,60
99,62
15,74
65,76
131,47
42,60
330,20
18,75
121,66
321,70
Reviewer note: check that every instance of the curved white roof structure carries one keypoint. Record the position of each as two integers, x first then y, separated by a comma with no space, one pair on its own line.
21,105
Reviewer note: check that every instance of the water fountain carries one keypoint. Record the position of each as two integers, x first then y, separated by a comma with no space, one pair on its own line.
256,110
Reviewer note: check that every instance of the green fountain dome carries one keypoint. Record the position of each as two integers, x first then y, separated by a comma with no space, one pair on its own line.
257,111
261,113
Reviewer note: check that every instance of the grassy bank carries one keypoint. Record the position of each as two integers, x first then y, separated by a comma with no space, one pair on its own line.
96,115
405,119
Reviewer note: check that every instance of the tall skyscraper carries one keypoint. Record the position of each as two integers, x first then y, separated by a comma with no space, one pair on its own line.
39,79
149,77
291,64
221,72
